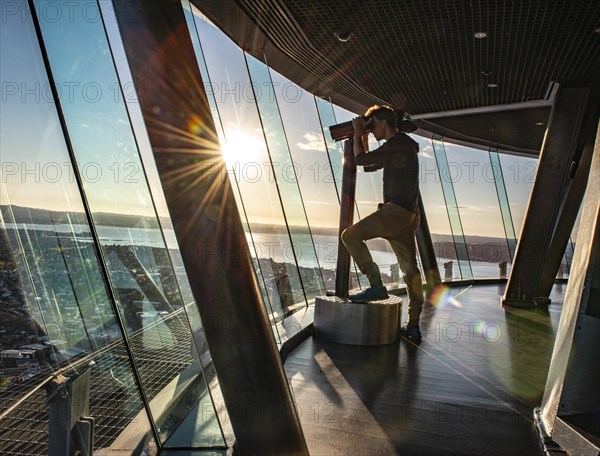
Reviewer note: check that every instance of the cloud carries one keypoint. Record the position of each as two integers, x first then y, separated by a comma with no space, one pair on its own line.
320,203
368,202
314,141
427,152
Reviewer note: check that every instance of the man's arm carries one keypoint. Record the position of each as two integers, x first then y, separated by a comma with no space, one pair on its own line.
361,145
361,140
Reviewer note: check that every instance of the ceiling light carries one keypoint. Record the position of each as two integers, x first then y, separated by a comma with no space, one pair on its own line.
597,30
480,35
492,85
344,36
539,124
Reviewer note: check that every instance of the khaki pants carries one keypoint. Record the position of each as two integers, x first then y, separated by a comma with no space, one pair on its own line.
397,225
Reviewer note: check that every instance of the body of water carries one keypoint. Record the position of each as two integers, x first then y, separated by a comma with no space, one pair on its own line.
318,251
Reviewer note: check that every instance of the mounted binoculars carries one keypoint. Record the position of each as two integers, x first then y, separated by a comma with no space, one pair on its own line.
345,130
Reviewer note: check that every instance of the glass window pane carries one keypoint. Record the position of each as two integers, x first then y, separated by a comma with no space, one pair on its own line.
317,181
193,15
446,179
133,247
511,237
435,210
335,149
287,172
519,175
55,310
246,156
472,176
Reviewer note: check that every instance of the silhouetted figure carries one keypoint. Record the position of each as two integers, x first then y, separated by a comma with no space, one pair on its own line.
397,218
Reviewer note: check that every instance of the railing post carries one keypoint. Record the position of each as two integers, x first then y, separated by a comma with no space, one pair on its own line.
70,429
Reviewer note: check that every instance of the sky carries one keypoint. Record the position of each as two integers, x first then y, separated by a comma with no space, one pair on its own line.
36,168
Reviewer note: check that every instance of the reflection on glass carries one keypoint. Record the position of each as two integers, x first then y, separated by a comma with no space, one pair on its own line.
435,210
193,15
286,174
247,160
137,121
472,177
509,230
55,310
446,179
335,150
519,175
132,243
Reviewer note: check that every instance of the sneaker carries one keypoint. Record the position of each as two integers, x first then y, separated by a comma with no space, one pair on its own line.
412,333
370,294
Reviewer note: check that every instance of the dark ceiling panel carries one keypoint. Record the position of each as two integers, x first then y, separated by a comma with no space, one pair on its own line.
509,130
422,55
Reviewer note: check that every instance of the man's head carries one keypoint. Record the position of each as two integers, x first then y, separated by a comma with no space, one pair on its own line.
384,121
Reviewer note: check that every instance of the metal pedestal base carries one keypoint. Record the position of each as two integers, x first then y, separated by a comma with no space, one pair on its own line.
345,322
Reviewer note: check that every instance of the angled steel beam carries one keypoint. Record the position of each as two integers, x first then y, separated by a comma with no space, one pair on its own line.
571,199
543,212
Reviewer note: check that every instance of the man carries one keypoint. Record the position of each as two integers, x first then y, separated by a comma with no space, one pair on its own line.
397,219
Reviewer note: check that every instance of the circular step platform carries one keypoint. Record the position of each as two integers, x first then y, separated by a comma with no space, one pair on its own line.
346,322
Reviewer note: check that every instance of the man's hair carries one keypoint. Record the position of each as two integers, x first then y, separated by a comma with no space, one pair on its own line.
383,112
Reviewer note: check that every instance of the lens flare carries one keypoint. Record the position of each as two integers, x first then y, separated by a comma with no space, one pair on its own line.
441,298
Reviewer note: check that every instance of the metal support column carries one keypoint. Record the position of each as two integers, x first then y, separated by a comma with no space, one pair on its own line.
346,219
426,251
543,213
571,201
208,228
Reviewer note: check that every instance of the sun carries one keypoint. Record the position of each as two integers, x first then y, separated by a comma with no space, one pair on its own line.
240,148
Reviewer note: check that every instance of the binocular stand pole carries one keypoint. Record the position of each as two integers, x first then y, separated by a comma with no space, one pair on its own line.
346,218
336,318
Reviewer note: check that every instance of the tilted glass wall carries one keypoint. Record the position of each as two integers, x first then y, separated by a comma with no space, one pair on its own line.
478,210
519,175
436,212
249,165
90,267
507,221
82,247
56,311
193,16
288,171
448,173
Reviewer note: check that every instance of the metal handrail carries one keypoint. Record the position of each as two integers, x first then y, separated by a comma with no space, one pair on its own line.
74,365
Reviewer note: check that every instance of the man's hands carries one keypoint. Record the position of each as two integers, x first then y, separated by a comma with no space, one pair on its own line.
359,123
361,140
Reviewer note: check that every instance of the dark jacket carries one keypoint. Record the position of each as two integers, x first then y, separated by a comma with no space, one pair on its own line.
398,158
